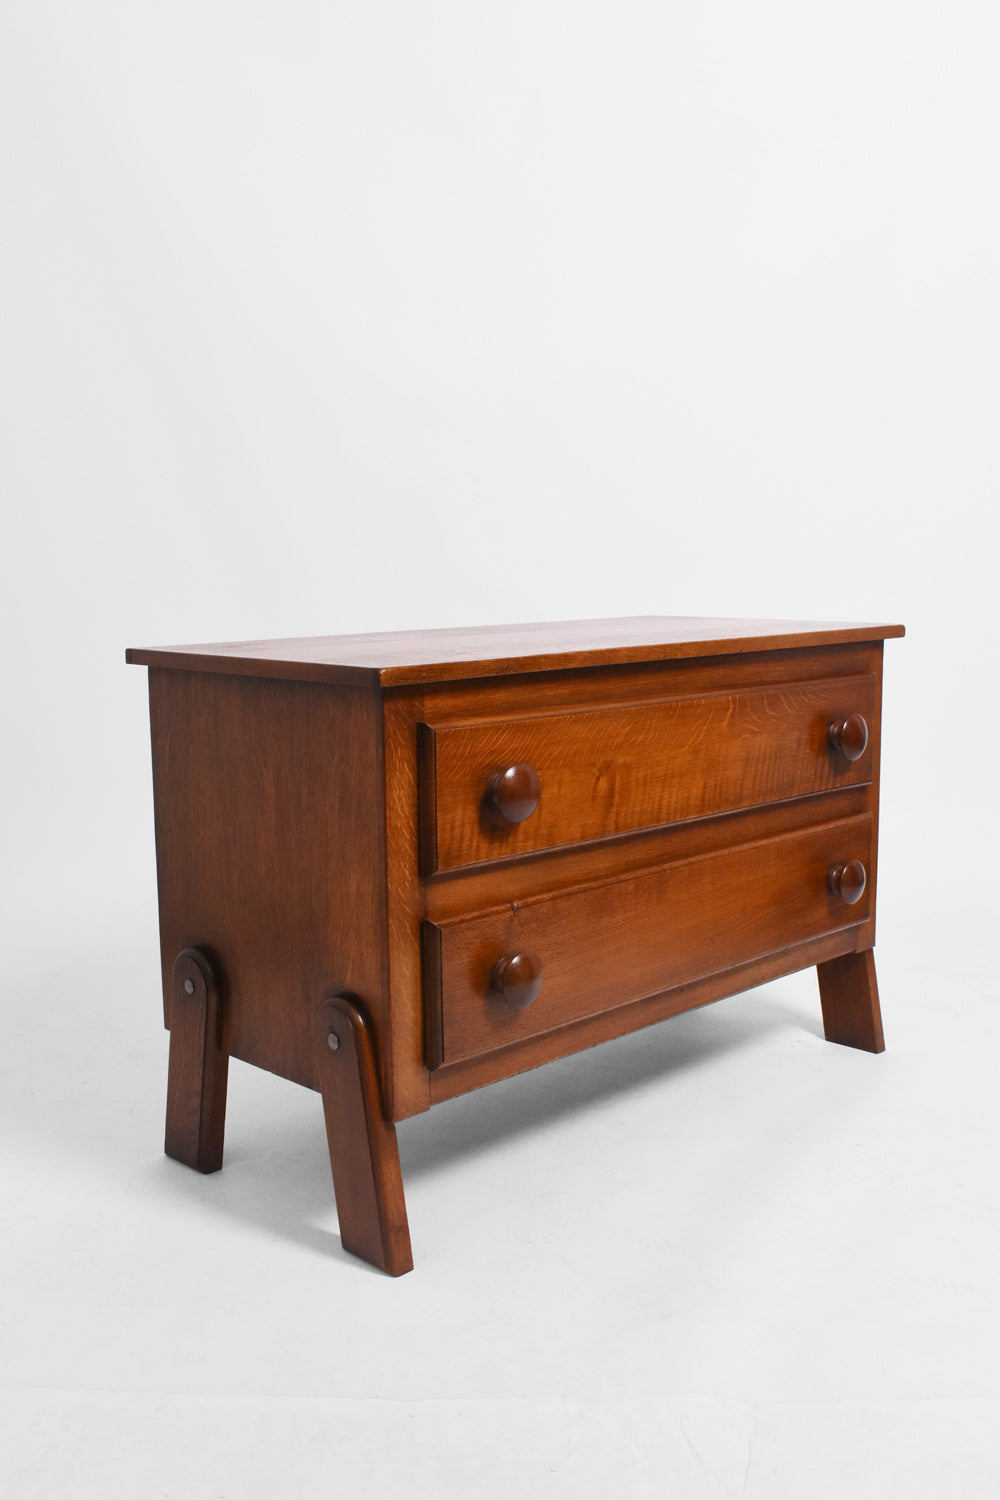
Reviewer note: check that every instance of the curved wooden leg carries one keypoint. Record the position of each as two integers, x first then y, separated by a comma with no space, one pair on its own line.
848,993
198,1070
364,1158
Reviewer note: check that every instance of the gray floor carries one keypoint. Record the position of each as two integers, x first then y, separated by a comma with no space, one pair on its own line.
718,1258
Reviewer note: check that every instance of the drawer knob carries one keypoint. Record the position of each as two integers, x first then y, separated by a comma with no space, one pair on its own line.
518,977
850,736
847,881
515,791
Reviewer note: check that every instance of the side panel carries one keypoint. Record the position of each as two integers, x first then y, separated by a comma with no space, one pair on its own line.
270,851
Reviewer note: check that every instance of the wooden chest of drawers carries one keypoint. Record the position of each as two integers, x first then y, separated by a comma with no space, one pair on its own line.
394,868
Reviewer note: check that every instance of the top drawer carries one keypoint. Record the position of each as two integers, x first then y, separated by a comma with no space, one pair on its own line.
607,771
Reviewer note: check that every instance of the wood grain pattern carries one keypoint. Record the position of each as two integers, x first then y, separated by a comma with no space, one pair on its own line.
477,888
609,944
613,770
866,933
489,1067
270,852
198,1071
364,1157
472,889
323,828
516,695
496,650
407,1084
848,992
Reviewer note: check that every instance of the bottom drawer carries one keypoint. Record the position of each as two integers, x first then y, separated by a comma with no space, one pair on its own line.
589,950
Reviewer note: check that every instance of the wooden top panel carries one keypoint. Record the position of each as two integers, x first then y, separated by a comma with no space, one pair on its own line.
414,656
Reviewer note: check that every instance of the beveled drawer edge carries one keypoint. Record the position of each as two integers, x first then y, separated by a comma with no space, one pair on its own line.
432,977
650,700
654,867
849,685
623,683
457,875
450,1080
427,851
432,990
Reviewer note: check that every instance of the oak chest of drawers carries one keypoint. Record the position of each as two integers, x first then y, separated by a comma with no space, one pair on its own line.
394,868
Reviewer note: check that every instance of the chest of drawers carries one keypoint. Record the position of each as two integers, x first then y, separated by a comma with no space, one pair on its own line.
393,868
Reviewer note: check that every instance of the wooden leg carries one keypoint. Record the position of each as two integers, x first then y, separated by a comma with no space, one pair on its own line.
364,1157
198,1069
848,993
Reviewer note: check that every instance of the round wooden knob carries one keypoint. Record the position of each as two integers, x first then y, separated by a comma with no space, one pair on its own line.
847,881
518,977
850,737
515,791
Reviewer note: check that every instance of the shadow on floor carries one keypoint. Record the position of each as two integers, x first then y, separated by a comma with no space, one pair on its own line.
277,1174
531,1101
95,1101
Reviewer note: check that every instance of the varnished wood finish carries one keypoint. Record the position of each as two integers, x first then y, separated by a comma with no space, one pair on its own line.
327,824
407,1091
850,736
848,881
397,657
613,770
269,843
479,887
518,695
514,791
476,888
517,978
198,1070
609,944
461,1077
849,996
364,1157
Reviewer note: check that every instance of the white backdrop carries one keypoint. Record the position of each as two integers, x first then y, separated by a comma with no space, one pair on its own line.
326,317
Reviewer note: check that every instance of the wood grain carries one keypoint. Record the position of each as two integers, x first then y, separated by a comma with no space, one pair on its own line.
471,889
407,1084
615,942
364,1157
198,1071
613,770
848,992
496,650
515,695
564,1041
323,824
270,852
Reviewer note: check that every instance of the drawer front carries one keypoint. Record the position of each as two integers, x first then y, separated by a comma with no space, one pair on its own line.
606,945
614,770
